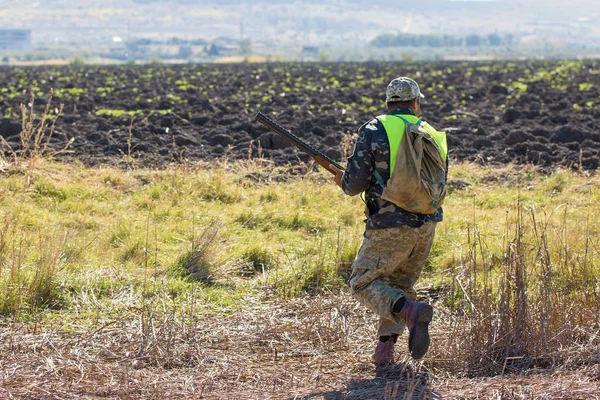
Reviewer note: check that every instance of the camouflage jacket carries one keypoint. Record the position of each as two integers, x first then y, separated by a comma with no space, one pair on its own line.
372,152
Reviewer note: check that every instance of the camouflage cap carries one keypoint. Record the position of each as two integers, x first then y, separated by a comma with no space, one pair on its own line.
402,89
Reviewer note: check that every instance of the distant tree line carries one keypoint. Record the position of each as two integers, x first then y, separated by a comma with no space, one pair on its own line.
413,40
170,41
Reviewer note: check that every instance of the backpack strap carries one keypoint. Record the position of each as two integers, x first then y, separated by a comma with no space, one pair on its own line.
379,178
376,174
418,123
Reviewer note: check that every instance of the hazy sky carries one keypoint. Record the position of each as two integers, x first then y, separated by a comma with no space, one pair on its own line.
295,20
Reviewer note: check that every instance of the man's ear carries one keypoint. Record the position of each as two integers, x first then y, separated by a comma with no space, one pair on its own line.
416,106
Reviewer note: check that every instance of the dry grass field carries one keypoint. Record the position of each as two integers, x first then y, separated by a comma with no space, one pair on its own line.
306,348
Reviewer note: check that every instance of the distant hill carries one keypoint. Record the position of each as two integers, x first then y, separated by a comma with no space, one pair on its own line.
290,22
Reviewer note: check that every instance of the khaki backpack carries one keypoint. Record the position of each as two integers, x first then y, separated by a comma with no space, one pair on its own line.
419,176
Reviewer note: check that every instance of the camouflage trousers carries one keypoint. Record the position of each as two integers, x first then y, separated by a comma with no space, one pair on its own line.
386,268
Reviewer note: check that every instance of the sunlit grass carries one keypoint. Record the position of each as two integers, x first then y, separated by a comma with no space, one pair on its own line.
72,232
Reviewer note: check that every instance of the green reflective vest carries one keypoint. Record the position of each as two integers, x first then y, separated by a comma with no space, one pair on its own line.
394,128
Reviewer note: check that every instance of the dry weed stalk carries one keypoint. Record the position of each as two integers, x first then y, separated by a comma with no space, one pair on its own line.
197,263
35,135
129,159
347,143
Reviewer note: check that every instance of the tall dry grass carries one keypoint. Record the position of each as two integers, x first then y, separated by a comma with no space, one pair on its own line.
534,305
31,265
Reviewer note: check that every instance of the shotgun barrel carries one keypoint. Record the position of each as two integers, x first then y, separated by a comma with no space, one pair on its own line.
316,154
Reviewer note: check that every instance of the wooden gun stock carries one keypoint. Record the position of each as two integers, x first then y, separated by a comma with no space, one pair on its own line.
317,155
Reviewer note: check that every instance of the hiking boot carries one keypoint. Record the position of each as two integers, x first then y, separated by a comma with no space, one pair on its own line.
417,316
384,352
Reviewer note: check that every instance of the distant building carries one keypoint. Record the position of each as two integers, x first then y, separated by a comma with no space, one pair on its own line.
15,39
223,46
309,53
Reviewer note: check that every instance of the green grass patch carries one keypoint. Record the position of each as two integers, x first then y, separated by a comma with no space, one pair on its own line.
116,113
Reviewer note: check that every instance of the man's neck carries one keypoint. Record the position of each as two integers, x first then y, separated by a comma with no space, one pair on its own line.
402,110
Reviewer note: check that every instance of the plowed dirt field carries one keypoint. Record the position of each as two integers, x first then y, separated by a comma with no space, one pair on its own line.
542,112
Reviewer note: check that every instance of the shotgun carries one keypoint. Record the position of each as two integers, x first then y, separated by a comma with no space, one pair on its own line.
317,155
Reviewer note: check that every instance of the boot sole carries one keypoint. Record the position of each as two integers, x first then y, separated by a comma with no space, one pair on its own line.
418,340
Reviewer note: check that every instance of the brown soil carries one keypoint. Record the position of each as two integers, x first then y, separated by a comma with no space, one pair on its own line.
209,109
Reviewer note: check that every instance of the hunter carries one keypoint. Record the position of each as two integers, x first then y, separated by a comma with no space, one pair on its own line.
396,242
